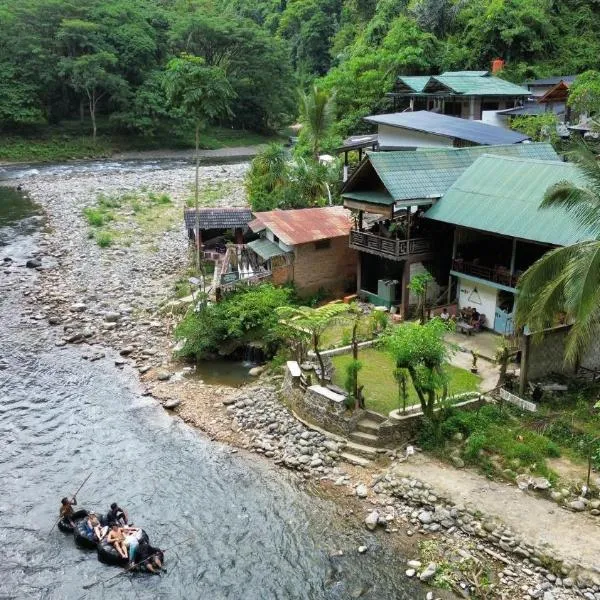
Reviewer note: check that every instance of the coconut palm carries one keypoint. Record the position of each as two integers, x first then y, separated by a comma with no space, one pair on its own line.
317,112
567,279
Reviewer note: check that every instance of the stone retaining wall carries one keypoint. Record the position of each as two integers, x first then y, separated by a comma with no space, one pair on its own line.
317,404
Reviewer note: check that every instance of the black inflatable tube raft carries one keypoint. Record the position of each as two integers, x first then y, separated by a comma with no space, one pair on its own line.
66,527
84,537
109,555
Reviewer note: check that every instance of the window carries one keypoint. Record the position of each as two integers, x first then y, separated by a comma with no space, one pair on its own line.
322,244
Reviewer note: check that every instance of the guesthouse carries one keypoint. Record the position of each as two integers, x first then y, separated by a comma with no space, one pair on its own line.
308,247
390,194
464,94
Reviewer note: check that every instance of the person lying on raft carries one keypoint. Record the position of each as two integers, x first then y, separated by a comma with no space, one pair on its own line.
149,557
117,539
116,515
133,535
66,510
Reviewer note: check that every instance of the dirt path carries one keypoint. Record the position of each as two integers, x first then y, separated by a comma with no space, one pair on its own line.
574,536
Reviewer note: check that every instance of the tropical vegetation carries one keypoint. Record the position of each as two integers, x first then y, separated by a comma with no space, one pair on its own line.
566,280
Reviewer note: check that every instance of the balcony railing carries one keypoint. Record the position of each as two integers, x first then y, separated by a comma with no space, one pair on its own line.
386,247
499,275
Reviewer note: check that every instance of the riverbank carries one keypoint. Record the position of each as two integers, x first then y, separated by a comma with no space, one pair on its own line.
112,297
68,143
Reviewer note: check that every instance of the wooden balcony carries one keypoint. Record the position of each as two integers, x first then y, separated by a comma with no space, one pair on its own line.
499,275
392,249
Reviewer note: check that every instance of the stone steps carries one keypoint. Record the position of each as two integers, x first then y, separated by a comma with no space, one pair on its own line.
368,426
367,452
373,416
355,460
367,439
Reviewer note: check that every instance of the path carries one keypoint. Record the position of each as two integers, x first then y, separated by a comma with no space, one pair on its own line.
237,153
574,536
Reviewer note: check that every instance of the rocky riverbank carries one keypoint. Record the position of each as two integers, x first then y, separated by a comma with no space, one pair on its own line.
112,297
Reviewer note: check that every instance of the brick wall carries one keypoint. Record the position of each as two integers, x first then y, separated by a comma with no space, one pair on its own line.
333,268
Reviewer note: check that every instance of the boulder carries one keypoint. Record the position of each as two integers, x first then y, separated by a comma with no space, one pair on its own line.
425,517
429,573
541,483
256,371
33,263
372,520
173,403
577,505
362,491
163,376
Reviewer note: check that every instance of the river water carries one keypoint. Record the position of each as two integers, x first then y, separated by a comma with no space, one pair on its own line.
255,533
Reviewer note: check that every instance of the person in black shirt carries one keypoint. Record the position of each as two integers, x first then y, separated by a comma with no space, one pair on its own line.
116,515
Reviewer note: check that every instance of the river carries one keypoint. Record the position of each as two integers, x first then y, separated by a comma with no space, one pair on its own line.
255,532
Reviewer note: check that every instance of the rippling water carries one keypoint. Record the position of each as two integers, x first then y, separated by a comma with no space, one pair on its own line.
255,534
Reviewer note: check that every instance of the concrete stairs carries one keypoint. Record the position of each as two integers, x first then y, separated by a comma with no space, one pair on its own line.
363,443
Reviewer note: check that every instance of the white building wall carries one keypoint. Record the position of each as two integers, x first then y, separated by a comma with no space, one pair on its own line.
394,136
481,297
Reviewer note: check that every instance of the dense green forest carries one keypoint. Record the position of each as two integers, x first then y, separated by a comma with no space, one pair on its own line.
63,59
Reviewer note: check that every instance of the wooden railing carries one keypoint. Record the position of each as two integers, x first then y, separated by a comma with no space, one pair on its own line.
386,247
496,274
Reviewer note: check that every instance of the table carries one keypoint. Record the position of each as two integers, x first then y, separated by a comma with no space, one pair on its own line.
464,327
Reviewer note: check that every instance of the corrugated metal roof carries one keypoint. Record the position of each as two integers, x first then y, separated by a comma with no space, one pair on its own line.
450,127
371,197
266,249
415,82
552,80
218,218
465,74
428,173
469,85
502,195
305,225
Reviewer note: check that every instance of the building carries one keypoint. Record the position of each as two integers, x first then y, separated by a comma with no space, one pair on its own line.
464,94
391,193
217,224
423,129
308,247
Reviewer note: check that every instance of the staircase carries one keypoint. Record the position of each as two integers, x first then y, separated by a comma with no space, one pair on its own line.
363,443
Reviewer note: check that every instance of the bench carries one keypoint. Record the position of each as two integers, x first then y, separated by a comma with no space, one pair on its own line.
464,327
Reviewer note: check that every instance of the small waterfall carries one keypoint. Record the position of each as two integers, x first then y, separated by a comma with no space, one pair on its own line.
253,355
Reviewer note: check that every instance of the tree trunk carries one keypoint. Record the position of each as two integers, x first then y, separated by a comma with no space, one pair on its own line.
355,358
422,399
319,358
92,106
197,203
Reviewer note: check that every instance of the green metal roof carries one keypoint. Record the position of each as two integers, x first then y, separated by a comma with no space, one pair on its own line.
502,195
465,73
428,173
266,249
415,82
371,197
469,85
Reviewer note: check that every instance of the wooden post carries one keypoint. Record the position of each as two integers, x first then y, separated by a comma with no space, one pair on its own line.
360,220
454,248
239,236
405,291
512,258
359,272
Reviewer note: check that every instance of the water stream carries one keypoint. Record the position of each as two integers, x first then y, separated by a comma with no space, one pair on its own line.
255,533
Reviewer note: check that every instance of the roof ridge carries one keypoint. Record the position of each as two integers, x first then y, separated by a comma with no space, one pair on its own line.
524,159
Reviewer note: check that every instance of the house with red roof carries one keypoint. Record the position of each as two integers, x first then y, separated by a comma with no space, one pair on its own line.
308,247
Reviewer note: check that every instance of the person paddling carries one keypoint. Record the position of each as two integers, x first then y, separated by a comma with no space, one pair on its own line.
66,510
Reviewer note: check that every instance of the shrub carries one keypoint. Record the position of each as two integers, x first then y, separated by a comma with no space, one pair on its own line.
245,315
95,217
104,239
159,198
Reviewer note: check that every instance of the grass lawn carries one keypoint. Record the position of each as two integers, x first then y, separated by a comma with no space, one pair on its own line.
340,333
381,389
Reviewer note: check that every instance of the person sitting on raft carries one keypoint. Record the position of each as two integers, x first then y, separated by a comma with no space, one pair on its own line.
66,510
117,539
94,527
116,515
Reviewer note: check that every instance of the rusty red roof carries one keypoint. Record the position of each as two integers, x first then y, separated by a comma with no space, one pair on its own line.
304,225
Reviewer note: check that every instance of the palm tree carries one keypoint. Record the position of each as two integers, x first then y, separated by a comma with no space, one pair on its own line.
317,111
567,279
313,322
